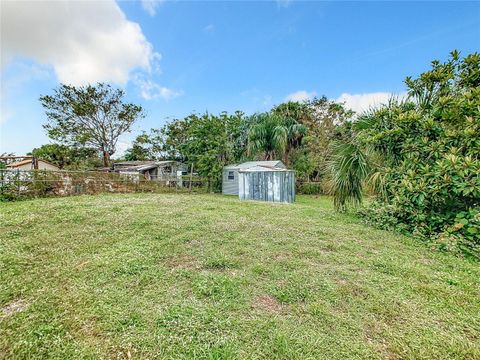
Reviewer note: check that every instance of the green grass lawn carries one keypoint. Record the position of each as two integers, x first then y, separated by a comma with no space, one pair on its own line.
207,276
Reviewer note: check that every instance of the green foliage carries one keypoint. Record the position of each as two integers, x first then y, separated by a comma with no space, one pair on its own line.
275,134
68,157
430,151
145,147
324,125
463,234
213,141
267,137
208,141
312,188
90,116
349,168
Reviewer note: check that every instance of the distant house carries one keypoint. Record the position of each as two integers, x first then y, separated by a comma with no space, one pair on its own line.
168,170
32,164
231,173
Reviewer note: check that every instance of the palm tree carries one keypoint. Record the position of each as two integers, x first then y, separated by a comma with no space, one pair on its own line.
273,135
349,168
266,136
356,164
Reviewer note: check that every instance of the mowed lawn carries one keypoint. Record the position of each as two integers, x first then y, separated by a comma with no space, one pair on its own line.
206,276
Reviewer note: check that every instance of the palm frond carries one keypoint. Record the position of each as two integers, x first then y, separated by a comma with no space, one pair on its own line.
349,168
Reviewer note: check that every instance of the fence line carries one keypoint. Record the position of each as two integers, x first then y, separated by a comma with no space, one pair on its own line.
38,183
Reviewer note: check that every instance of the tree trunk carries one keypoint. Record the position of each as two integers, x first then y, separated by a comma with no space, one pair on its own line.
106,158
285,159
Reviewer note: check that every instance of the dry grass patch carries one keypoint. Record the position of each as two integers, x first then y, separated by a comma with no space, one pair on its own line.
269,304
13,307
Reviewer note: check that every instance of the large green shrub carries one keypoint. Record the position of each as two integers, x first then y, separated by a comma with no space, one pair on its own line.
424,156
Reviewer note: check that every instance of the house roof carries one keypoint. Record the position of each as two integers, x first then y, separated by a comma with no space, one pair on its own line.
19,163
143,162
140,165
27,162
137,167
272,165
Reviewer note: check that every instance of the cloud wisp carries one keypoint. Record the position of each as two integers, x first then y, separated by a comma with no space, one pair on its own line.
150,90
356,102
364,102
210,28
300,96
150,6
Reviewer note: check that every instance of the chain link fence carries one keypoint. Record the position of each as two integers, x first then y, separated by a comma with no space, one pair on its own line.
18,184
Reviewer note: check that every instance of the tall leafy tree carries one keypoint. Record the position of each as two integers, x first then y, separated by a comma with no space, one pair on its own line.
293,117
266,136
208,141
323,119
67,157
147,147
90,116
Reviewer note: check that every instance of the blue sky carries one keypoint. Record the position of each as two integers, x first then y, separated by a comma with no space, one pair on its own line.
177,57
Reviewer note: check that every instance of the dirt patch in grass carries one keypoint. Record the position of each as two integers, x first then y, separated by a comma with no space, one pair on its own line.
182,261
372,334
13,307
82,264
282,256
269,304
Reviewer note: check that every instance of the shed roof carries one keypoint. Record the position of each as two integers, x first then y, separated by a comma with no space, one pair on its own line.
273,164
259,168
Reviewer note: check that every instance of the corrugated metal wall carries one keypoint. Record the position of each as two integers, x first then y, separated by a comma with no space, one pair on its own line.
230,187
275,186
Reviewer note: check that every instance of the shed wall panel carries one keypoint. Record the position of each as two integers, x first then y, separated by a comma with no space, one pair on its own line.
230,187
275,186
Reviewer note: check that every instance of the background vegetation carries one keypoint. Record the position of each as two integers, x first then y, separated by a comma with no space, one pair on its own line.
418,158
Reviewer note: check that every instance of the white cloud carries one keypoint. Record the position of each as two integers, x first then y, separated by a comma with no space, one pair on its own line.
150,90
150,6
209,28
364,102
84,41
300,96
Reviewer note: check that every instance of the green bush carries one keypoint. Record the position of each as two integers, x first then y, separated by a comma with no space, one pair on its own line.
463,235
312,188
424,156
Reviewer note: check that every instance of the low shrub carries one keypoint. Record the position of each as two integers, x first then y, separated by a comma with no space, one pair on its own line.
312,188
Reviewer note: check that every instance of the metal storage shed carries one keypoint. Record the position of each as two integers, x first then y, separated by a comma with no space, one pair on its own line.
230,174
267,184
260,180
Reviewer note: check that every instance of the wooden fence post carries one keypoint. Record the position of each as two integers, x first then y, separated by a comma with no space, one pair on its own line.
191,176
18,182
